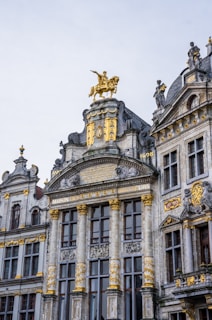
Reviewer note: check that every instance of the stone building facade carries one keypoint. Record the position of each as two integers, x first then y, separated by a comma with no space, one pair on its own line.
125,223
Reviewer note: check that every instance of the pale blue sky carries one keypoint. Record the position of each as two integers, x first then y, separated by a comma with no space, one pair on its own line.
47,48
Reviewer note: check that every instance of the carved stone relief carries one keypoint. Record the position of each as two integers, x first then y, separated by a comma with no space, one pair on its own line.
99,251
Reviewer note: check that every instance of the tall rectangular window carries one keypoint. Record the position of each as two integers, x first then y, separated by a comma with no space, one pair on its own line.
204,245
6,308
170,170
100,224
31,259
27,309
196,158
132,219
132,287
66,286
15,216
69,228
173,254
10,262
99,282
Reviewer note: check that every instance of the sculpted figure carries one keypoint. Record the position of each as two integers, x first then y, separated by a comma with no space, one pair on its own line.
194,58
104,85
159,94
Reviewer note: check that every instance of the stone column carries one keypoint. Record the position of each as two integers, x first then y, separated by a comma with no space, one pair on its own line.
188,247
49,297
148,290
78,295
113,293
16,306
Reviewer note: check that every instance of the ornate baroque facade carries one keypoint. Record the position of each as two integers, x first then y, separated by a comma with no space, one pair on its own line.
123,230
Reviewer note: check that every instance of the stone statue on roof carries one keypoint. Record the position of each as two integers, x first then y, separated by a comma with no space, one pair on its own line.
104,85
194,58
159,94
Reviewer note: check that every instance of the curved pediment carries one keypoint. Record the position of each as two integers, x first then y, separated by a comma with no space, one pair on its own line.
96,170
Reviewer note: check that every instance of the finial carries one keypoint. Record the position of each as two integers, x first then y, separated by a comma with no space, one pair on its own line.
210,40
21,150
46,181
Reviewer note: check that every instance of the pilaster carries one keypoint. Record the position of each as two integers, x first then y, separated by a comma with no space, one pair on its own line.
148,287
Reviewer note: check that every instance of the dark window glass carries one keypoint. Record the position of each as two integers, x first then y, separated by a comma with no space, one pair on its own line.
132,287
69,228
99,282
173,254
66,286
170,170
6,308
178,316
10,262
15,215
27,309
31,259
100,224
196,158
35,217
204,245
132,219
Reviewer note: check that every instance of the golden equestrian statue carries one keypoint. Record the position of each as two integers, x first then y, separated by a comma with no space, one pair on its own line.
104,85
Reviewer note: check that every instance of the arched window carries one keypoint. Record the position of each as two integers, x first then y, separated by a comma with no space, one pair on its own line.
15,216
35,219
192,102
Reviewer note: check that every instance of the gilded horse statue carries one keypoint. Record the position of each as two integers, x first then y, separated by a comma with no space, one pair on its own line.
104,85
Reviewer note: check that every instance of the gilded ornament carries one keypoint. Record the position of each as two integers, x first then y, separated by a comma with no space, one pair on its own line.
114,204
114,278
90,133
6,196
26,192
54,213
110,129
172,204
2,244
190,281
51,282
196,192
80,277
104,85
18,276
21,242
178,283
202,278
99,132
42,237
147,199
39,274
82,209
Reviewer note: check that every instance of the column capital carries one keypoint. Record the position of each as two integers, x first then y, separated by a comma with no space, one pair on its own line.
147,199
82,209
54,213
114,204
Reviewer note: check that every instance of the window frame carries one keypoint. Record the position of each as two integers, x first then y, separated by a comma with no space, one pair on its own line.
194,158
171,170
98,279
35,217
10,263
8,309
130,220
15,216
31,259
132,293
173,265
26,313
100,224
69,226
66,284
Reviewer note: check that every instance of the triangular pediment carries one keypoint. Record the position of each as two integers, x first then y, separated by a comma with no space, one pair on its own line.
169,221
99,170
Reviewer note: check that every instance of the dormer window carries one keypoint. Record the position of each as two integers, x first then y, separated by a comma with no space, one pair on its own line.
192,102
35,217
15,216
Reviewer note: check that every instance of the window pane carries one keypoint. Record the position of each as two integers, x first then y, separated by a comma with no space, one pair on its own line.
105,211
94,268
104,267
138,264
128,265
14,268
128,207
71,270
173,156
96,212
